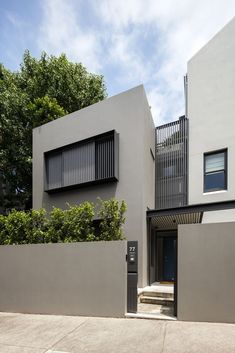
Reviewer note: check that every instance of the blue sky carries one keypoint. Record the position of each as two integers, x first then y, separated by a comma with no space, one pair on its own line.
128,41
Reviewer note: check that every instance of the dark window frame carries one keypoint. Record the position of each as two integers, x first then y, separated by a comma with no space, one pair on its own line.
114,178
225,170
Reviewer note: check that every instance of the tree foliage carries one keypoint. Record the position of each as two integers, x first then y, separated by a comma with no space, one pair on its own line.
112,219
74,224
42,90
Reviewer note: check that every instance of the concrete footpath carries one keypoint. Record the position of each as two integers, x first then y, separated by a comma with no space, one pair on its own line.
21,333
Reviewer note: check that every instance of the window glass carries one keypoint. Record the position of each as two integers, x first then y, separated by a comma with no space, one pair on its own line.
214,162
169,171
215,181
215,173
54,171
79,164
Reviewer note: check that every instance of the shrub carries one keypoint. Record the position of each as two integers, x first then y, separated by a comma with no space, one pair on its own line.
21,227
56,231
78,222
2,229
112,219
72,225
16,227
37,228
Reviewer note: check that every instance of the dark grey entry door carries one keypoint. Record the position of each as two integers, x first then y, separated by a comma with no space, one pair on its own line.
162,256
169,253
152,257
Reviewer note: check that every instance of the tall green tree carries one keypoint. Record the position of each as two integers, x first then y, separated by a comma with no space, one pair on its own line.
41,90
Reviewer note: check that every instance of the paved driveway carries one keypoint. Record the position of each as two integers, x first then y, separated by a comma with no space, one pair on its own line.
21,333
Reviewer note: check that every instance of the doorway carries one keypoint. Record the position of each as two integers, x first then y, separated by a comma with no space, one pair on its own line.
163,256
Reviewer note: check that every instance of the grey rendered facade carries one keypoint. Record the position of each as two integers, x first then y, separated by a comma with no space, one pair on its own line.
129,115
211,106
206,271
178,174
64,279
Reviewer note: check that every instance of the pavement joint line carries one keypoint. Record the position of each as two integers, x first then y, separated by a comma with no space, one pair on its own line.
50,349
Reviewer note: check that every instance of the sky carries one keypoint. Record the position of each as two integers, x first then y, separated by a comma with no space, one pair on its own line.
129,42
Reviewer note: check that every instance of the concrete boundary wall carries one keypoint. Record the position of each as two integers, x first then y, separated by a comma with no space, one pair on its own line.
68,279
206,272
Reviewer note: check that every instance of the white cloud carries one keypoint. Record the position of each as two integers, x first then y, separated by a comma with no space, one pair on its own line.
116,37
186,26
123,53
60,32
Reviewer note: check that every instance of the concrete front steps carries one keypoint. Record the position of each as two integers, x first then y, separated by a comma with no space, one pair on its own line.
158,294
158,300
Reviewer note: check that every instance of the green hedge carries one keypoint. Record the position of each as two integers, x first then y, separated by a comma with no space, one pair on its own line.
74,224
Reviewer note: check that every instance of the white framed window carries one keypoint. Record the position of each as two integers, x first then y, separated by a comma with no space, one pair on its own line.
215,171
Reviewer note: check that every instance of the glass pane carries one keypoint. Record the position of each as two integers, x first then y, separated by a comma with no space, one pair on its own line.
214,162
169,171
79,164
215,181
54,171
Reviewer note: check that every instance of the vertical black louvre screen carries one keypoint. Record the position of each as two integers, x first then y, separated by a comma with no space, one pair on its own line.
88,161
171,164
104,158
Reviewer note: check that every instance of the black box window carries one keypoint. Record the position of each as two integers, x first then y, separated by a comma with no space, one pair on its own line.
94,160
